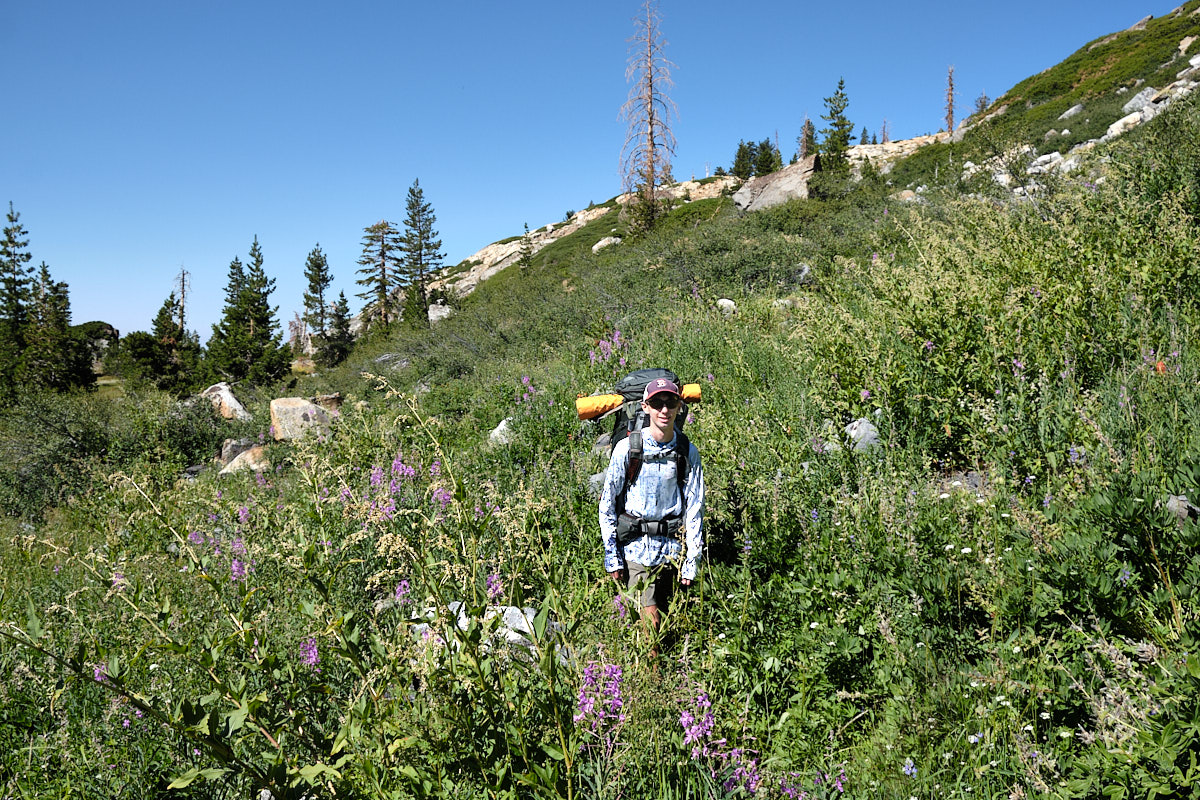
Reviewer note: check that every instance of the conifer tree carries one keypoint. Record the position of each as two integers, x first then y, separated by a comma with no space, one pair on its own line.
53,358
525,259
982,102
246,344
743,160
836,135
380,263
767,158
865,138
316,272
15,295
422,253
335,345
649,141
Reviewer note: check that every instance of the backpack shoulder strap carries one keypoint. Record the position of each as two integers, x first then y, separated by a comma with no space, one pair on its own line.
682,448
633,466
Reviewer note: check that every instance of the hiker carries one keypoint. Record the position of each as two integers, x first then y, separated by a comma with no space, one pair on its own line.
643,508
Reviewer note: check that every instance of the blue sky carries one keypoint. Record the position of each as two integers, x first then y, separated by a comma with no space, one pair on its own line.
142,137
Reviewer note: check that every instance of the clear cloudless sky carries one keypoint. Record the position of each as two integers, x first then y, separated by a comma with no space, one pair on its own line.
145,137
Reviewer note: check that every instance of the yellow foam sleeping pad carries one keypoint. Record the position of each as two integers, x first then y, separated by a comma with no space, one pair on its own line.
597,405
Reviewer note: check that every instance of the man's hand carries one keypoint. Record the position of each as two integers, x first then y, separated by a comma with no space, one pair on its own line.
686,581
616,574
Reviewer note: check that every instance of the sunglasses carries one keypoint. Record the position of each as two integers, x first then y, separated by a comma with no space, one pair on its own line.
659,403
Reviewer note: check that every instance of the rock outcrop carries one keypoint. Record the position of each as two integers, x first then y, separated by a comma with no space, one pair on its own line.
789,183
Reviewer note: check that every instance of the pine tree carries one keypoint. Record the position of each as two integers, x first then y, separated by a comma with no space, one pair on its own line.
982,102
525,259
874,139
649,142
743,160
381,273
53,358
15,296
335,345
422,253
316,272
836,136
950,100
865,138
767,158
246,344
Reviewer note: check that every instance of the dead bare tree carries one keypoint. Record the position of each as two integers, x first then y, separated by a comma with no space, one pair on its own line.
950,100
649,142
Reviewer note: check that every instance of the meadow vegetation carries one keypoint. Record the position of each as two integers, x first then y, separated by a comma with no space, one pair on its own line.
997,602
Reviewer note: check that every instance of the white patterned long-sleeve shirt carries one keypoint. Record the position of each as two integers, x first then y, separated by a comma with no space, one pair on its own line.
654,496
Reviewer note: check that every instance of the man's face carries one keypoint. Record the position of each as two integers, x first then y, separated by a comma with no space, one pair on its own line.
662,409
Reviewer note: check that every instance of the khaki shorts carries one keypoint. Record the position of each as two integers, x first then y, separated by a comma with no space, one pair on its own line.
650,586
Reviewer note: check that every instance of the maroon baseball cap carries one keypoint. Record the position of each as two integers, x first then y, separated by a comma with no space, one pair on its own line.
658,386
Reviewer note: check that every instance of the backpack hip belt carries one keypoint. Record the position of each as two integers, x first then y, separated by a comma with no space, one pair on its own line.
631,528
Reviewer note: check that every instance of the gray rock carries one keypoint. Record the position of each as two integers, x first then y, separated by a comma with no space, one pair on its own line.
1182,508
296,417
607,241
439,312
232,448
767,191
253,459
1072,111
863,435
221,396
502,433
727,306
1139,100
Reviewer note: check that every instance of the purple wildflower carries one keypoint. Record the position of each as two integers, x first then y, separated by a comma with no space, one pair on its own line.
865,394
196,537
910,769
402,590
435,468
308,652
376,476
243,514
495,587
600,704
443,496
99,673
238,570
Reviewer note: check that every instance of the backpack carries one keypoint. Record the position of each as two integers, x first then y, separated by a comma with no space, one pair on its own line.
630,419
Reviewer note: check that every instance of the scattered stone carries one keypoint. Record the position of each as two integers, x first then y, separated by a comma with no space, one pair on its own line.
330,402
863,435
1121,126
438,312
294,417
221,396
1139,100
727,306
607,241
232,448
393,360
1182,508
253,459
502,433
1140,25
1072,111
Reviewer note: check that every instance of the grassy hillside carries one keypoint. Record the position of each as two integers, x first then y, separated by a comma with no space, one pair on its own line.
997,602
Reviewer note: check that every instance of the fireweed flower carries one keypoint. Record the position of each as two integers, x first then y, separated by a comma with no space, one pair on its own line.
308,652
238,570
495,587
600,704
118,581
376,476
99,673
243,514
865,394
402,590
698,721
435,468
619,610
443,496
